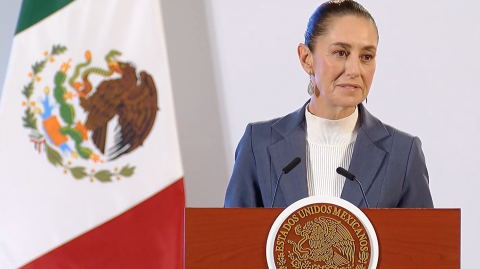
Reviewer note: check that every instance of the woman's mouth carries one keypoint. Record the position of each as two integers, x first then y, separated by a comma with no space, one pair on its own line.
349,86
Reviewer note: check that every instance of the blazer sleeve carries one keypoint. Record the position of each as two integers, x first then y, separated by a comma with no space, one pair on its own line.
415,189
243,189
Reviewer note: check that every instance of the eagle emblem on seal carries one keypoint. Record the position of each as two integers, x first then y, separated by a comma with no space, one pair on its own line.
324,240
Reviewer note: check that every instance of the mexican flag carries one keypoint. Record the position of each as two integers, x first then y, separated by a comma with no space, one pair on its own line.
90,166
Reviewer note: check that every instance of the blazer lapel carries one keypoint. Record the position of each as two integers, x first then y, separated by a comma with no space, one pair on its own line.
367,157
294,184
292,129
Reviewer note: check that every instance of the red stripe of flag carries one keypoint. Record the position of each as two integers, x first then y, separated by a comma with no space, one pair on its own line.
150,235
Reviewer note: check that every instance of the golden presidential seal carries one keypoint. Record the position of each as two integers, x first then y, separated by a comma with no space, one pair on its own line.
322,233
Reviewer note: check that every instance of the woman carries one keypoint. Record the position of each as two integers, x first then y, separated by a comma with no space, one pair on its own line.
333,129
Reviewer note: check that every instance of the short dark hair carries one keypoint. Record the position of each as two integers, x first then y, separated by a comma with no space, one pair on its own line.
320,21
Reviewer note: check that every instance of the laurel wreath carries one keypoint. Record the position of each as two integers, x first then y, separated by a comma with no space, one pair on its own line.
363,257
281,261
53,156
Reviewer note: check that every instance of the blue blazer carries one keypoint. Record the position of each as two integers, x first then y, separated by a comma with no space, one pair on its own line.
389,163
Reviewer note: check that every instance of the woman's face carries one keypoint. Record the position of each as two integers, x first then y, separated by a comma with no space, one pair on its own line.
344,62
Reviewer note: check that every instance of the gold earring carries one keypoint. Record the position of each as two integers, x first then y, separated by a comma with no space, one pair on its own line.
310,86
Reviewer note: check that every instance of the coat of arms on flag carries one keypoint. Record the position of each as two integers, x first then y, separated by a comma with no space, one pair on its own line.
56,126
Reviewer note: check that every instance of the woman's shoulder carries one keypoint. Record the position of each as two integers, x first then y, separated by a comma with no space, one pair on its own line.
283,124
395,139
377,128
261,129
398,133
264,124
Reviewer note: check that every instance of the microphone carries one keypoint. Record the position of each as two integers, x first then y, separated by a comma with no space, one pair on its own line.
352,177
289,167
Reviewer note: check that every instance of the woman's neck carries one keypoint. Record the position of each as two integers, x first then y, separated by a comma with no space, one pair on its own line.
323,110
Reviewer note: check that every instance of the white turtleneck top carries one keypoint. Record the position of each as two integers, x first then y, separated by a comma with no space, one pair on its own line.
329,145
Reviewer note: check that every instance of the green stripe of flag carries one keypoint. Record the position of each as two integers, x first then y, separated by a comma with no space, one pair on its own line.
34,11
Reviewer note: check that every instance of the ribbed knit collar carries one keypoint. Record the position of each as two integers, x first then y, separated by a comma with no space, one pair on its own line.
327,132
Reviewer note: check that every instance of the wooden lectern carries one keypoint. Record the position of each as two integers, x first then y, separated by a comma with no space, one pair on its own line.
407,238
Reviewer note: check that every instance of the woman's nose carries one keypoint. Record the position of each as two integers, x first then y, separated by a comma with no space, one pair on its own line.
352,67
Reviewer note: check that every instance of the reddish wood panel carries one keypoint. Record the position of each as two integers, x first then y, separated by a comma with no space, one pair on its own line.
236,238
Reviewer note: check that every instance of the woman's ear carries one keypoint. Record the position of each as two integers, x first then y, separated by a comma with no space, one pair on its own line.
306,58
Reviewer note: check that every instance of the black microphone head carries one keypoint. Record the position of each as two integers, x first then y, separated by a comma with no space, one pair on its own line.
289,167
345,173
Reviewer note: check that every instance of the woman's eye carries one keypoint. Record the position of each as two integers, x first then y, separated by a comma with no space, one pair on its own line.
341,53
367,57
